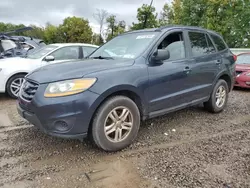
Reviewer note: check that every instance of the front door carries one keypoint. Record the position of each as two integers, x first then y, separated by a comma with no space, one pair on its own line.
169,81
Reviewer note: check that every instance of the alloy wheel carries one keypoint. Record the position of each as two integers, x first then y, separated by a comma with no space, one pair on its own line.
118,124
15,86
220,96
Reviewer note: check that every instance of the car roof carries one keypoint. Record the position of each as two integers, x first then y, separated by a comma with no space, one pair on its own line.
74,44
169,27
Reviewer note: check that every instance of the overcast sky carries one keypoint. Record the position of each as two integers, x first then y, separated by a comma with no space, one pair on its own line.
54,11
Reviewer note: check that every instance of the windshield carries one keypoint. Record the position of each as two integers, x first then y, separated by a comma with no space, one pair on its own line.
127,46
37,54
243,59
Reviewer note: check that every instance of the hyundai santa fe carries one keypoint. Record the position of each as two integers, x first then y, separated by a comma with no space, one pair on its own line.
136,76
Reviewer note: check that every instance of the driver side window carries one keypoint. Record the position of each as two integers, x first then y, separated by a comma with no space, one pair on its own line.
66,53
174,43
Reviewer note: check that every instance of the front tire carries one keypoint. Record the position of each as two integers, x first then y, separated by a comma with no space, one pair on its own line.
219,97
116,124
14,85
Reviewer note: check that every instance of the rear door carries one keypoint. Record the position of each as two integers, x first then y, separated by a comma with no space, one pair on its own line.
205,64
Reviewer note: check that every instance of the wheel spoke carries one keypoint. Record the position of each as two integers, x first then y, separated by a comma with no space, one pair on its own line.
217,95
109,127
115,115
117,135
15,86
126,125
223,93
112,117
124,114
16,92
111,131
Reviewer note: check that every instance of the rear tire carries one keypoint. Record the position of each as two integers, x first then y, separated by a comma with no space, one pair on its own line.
219,97
116,124
13,85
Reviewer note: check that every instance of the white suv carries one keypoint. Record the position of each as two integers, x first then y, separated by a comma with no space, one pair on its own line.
13,70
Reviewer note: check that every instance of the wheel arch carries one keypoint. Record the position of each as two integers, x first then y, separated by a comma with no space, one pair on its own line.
14,74
125,90
225,76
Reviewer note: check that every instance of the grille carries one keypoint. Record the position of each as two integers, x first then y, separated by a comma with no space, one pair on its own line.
28,90
238,72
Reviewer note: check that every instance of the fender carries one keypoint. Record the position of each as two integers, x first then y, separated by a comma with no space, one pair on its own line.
223,73
103,96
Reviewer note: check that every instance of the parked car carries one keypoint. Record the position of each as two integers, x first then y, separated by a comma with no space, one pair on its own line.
106,97
13,70
18,46
243,70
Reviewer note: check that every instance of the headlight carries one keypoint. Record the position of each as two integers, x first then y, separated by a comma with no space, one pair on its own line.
68,87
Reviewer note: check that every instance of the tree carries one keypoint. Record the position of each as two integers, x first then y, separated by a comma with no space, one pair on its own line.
147,18
115,27
227,17
51,34
166,16
75,29
100,17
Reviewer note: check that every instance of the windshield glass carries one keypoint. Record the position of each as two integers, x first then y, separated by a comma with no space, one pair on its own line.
41,52
243,59
127,46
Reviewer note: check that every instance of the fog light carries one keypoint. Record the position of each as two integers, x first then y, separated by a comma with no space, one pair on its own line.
248,83
61,126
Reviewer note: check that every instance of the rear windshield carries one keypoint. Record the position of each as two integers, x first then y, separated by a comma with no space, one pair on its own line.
243,59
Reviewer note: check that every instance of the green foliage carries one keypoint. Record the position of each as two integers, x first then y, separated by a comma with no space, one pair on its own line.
115,27
166,16
147,18
230,18
75,29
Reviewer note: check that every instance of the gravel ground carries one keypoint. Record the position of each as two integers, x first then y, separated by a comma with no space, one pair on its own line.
189,148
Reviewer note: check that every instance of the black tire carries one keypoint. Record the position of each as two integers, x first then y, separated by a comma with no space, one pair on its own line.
98,133
211,104
8,85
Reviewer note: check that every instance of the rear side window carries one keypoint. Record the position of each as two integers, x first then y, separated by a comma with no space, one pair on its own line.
211,47
200,44
219,42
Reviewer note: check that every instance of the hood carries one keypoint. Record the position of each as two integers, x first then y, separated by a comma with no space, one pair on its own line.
242,67
74,69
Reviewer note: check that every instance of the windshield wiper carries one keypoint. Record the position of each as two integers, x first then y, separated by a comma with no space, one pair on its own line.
102,57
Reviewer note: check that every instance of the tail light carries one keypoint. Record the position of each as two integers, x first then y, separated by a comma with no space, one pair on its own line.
235,57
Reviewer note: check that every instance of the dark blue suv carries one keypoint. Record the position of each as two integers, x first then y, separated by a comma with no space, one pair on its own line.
136,76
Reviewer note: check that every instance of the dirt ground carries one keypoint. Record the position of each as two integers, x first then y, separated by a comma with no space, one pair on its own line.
189,148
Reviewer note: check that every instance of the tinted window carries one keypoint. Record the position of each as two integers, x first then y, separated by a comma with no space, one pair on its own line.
175,45
199,44
87,50
70,52
211,47
243,59
220,45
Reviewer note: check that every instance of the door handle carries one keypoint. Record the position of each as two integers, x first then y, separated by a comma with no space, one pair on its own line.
218,62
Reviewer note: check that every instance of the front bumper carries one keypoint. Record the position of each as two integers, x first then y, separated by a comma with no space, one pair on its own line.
65,117
242,81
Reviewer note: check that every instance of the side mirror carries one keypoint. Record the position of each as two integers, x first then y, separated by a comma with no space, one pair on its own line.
49,58
161,55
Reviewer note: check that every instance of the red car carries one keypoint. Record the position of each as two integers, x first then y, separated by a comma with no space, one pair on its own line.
243,70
